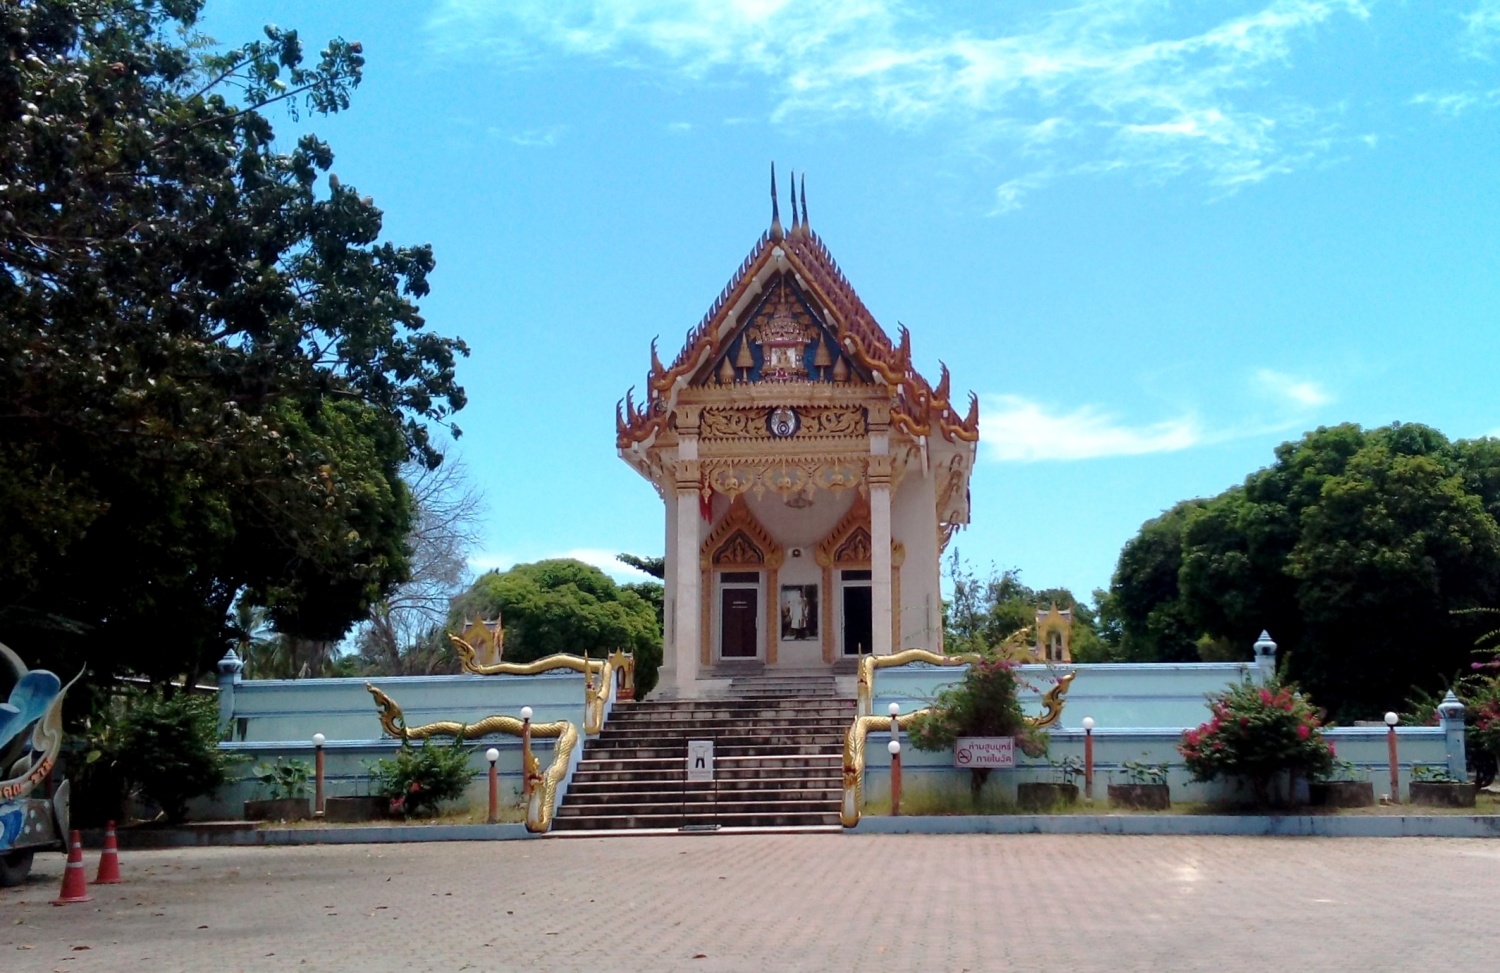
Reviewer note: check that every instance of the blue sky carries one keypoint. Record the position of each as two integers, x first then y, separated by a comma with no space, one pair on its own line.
1156,238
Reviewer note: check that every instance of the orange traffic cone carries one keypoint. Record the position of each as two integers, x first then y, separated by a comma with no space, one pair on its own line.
109,859
75,887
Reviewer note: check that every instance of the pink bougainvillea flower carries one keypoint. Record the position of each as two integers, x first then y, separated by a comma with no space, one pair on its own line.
1303,731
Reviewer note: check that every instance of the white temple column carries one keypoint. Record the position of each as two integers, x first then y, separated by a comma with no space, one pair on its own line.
688,605
880,537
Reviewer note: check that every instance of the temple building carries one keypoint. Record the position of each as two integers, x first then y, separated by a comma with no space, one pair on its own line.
811,476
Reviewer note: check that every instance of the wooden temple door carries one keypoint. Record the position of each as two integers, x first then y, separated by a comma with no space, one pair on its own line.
738,617
858,628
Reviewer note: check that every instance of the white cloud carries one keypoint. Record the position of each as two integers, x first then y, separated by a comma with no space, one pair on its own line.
1086,87
1455,103
1015,429
597,556
1297,392
1481,34
534,138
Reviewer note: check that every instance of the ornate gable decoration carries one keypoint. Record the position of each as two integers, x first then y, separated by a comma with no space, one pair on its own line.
849,541
740,541
781,339
719,352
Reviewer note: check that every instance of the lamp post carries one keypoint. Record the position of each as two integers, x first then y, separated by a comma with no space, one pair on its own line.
318,740
493,756
895,750
526,752
1390,723
895,710
1088,757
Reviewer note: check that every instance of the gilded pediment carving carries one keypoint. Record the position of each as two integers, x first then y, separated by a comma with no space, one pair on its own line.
761,423
740,539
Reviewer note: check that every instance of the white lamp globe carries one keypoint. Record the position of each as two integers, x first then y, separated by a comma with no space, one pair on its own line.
894,709
525,712
492,755
1391,719
319,739
894,747
1088,722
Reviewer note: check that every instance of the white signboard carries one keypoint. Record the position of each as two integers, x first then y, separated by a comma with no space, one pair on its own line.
700,760
984,752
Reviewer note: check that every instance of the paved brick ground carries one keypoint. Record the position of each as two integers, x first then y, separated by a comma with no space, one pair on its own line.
779,902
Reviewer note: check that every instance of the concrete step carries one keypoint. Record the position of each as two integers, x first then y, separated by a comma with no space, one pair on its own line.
667,806
609,822
722,752
778,761
830,786
722,736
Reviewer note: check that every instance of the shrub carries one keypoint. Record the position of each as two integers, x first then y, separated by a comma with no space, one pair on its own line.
1257,733
1142,772
284,778
982,704
418,779
166,748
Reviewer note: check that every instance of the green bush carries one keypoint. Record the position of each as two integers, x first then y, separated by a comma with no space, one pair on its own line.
418,779
165,748
284,778
982,704
1256,734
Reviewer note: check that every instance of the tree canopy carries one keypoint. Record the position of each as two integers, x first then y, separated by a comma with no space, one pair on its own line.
566,606
1353,549
212,368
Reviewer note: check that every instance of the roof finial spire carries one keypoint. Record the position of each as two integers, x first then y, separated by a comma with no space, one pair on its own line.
806,227
776,231
793,177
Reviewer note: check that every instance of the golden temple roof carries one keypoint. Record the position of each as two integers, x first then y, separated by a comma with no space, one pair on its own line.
917,407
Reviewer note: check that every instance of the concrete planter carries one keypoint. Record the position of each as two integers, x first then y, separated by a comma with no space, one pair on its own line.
349,809
1146,797
282,809
1340,793
1040,797
1442,793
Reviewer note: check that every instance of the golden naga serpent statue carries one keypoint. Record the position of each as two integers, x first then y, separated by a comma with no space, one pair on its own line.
854,740
542,807
1013,648
595,694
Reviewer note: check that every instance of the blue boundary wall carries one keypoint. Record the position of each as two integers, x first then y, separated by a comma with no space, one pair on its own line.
1140,712
269,718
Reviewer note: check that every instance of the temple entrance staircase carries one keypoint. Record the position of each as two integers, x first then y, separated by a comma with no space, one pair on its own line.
778,746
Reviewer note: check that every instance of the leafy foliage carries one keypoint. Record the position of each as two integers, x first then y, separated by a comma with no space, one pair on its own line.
284,778
1256,733
567,606
984,612
1145,772
1351,549
984,703
419,779
165,746
212,368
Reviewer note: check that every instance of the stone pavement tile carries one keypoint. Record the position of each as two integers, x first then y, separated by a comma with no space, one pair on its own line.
712,903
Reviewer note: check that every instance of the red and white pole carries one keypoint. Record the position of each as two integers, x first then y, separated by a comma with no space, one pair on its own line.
318,741
493,756
1390,722
895,750
1088,757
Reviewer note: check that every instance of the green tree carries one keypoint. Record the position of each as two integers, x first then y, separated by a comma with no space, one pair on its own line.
212,368
1352,549
984,612
566,606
